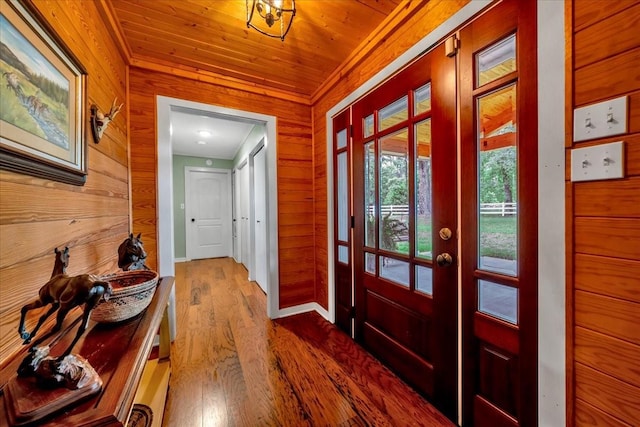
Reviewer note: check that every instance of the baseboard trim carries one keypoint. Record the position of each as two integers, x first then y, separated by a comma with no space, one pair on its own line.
303,308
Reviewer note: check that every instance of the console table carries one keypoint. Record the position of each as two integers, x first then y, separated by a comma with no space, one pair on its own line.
118,352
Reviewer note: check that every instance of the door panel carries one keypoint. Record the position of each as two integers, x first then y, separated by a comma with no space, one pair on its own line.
404,173
499,168
260,192
342,213
245,248
208,201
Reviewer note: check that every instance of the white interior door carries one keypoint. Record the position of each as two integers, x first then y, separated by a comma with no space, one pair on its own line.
245,248
236,215
259,186
208,209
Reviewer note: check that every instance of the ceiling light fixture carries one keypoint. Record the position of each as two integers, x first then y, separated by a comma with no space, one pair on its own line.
271,11
204,133
201,142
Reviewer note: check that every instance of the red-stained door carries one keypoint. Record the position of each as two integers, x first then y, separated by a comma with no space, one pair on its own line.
405,245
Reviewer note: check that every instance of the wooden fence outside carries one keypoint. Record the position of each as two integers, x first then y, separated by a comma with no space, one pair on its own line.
502,209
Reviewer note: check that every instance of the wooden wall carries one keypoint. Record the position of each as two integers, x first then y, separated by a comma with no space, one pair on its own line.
294,162
399,32
603,223
37,215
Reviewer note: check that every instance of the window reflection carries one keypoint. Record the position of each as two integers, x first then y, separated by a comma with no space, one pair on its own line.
394,192
370,194
423,189
496,61
498,301
497,182
422,99
424,280
394,270
393,114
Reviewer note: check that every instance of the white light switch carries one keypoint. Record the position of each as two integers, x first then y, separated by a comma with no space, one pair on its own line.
604,161
605,118
182,206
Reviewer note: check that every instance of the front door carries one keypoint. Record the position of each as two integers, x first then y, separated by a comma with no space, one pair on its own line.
208,213
405,234
443,302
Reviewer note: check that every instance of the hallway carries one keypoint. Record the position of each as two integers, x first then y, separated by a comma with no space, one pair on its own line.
232,366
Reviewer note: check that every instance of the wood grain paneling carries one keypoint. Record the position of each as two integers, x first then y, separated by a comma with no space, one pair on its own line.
610,316
612,356
37,215
294,169
590,12
608,276
204,38
602,40
618,198
614,397
612,77
612,237
603,300
589,415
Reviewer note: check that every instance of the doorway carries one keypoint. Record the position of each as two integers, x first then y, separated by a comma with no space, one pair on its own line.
165,219
442,164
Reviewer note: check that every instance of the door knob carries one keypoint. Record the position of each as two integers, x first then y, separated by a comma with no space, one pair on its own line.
444,260
193,220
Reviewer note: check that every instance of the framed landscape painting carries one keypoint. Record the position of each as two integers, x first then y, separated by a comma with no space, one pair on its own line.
42,99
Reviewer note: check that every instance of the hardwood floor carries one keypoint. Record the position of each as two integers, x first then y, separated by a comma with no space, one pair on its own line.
232,366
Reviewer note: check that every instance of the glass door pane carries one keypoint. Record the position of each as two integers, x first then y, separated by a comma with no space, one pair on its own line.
343,198
424,195
394,192
497,182
370,194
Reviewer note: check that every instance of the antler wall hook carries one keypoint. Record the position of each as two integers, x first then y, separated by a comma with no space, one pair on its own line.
99,120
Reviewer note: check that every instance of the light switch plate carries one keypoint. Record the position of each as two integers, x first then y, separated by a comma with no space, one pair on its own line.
604,161
605,118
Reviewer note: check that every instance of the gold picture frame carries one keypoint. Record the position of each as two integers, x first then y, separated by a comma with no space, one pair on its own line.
42,99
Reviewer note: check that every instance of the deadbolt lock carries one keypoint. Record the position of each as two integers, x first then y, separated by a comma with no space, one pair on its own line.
445,233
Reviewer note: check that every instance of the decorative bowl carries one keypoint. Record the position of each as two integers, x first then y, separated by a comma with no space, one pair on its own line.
132,293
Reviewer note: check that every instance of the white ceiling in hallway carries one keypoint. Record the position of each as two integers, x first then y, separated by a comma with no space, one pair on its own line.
226,134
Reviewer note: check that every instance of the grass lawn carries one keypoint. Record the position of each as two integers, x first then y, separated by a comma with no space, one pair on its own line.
498,237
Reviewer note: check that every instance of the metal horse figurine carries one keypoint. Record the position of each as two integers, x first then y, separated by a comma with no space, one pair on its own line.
63,293
131,254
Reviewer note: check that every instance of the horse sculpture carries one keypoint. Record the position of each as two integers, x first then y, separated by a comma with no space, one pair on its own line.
62,261
64,293
131,254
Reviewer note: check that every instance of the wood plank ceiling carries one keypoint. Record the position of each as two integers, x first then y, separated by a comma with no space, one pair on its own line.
211,36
